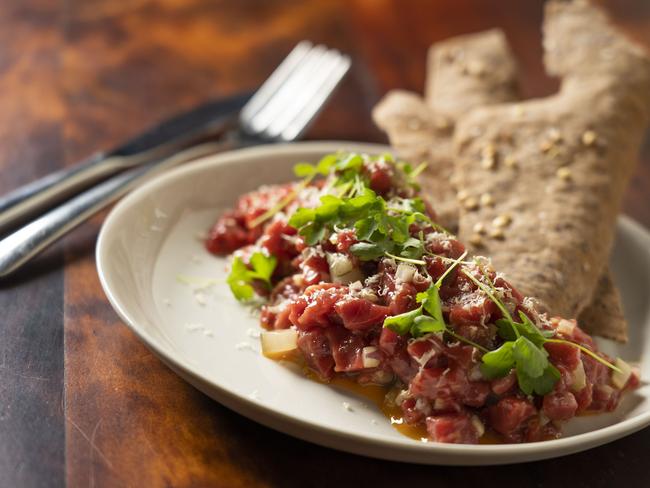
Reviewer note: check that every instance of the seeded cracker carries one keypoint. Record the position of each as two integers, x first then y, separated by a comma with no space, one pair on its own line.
557,245
463,72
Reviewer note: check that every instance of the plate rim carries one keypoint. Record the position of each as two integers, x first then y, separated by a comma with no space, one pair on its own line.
473,454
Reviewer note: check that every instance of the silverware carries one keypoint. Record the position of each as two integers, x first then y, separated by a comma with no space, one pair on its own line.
281,110
187,129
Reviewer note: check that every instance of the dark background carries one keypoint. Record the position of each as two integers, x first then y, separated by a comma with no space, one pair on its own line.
81,400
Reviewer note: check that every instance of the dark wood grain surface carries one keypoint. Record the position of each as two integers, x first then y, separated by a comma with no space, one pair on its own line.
82,401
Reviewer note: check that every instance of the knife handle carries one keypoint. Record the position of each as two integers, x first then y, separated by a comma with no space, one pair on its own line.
208,121
25,243
24,202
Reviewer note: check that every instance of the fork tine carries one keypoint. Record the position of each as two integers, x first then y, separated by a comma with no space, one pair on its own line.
284,96
296,91
276,80
302,121
301,97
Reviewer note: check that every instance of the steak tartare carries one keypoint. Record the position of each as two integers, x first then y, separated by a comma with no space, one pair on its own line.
355,277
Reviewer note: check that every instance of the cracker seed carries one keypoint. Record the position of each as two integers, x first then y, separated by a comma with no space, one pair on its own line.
589,137
414,124
489,150
488,163
502,220
545,146
476,240
497,234
471,203
487,200
510,161
479,228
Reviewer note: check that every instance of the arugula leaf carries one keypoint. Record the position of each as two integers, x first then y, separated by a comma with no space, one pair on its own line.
326,163
329,208
527,329
531,359
263,266
239,281
365,228
499,362
241,276
302,217
313,232
401,324
430,301
367,251
399,227
367,200
425,325
505,329
374,223
340,162
534,372
350,162
303,170
542,384
412,248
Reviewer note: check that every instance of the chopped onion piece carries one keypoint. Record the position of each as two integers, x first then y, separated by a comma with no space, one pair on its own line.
279,342
566,327
579,378
356,286
405,272
368,360
339,263
478,425
369,295
342,269
355,275
619,380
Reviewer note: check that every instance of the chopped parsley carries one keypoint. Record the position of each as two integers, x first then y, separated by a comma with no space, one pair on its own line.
379,229
242,276
427,318
384,229
523,350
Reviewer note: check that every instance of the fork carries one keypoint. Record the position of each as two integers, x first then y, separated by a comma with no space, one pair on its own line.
280,111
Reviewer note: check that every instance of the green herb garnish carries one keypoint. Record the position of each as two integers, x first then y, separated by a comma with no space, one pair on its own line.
242,276
523,350
427,318
380,230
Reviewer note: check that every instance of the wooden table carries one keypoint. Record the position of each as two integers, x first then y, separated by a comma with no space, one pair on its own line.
82,401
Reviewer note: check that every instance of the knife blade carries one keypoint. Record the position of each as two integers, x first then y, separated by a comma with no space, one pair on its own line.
206,121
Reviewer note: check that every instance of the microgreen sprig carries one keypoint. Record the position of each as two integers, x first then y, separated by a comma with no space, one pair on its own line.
290,197
242,276
428,318
523,350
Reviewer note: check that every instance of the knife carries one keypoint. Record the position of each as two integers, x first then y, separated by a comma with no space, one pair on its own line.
204,122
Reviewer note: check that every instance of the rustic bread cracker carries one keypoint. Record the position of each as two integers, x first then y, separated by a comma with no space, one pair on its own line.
470,71
604,315
556,168
418,134
462,73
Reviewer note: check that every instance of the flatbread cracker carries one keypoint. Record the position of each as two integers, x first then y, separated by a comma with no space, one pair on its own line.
470,71
462,73
604,315
556,168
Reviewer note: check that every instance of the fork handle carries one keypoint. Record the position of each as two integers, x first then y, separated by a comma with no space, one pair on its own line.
21,246
45,192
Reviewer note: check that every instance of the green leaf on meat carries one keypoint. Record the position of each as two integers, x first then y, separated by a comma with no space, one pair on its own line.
241,276
498,363
402,324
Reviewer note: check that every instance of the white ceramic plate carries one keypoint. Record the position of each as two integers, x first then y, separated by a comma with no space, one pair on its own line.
151,239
